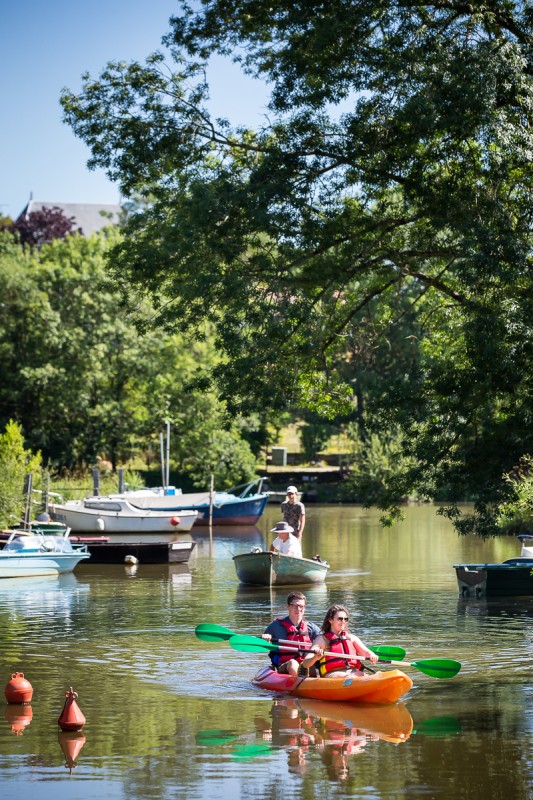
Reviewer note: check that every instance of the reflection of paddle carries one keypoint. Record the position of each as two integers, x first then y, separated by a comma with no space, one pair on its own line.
215,736
439,726
217,633
434,667
245,752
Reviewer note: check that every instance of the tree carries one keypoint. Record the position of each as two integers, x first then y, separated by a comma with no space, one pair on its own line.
15,463
42,226
396,163
89,377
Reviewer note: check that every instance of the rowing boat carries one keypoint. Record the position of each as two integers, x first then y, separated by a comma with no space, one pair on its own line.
378,687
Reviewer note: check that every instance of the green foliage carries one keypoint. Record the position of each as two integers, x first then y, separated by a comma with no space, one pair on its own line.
88,376
516,514
15,463
386,199
373,466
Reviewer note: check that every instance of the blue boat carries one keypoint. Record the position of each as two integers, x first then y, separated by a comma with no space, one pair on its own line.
228,508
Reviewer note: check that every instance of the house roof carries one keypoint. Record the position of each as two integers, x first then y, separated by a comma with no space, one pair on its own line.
90,217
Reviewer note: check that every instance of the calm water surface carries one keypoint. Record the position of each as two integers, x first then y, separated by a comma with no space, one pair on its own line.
169,716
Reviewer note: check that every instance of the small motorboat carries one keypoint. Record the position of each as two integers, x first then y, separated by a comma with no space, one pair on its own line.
117,515
511,578
382,688
35,552
266,568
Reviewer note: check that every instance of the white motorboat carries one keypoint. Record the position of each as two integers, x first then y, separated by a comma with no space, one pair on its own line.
27,554
117,515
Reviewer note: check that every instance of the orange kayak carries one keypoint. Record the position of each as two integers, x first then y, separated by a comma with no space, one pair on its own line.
379,687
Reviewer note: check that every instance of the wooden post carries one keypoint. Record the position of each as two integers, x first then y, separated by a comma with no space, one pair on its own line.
168,455
161,443
211,499
96,482
45,492
121,484
28,486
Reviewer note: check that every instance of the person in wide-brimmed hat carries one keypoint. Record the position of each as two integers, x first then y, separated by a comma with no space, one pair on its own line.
285,543
294,511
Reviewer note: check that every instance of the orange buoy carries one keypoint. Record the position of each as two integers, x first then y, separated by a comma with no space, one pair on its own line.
174,521
18,690
71,718
19,716
71,743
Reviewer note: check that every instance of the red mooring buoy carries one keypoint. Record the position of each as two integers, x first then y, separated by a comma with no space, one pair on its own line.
18,690
71,743
71,718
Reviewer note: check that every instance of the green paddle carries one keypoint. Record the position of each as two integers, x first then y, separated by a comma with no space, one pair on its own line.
434,667
217,633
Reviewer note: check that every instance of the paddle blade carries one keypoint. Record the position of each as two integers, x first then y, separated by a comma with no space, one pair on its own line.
213,633
385,651
438,667
251,644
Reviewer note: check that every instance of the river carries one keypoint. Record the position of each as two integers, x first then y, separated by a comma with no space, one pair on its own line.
169,716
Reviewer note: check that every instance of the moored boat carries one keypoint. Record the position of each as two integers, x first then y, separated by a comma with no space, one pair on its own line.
266,568
382,688
35,553
117,515
228,508
511,578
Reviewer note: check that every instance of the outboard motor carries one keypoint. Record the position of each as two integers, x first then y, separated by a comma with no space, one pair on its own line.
525,539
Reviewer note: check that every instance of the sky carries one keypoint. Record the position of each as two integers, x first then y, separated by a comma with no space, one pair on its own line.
45,46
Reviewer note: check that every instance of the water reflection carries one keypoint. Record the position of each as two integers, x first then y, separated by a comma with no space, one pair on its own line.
18,716
71,743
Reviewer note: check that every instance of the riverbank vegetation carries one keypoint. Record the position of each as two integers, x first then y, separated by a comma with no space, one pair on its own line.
361,261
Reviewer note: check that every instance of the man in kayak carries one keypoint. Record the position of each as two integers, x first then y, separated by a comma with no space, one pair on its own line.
294,511
293,628
285,543
336,638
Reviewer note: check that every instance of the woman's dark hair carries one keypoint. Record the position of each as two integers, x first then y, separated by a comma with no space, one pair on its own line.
330,613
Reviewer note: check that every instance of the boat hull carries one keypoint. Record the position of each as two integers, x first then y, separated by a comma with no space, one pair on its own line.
227,509
153,552
13,565
512,578
382,688
274,569
86,517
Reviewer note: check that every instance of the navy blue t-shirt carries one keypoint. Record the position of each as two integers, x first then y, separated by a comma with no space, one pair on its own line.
277,631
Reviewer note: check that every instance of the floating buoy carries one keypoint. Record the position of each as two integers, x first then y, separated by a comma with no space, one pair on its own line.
71,718
131,560
18,690
71,744
100,524
19,716
174,521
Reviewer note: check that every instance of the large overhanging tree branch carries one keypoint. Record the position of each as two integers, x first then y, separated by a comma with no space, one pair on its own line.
395,168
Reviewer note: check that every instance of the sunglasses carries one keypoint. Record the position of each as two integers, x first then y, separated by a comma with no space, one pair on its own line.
342,619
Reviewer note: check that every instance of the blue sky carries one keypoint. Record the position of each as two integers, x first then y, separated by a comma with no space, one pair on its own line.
45,46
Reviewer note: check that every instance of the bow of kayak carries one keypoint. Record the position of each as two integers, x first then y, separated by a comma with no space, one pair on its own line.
379,687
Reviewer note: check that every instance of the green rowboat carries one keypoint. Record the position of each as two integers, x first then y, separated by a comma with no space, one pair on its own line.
274,569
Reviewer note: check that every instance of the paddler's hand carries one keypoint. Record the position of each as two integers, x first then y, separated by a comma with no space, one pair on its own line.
318,651
266,636
372,657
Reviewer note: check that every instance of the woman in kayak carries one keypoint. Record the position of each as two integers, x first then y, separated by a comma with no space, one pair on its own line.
335,638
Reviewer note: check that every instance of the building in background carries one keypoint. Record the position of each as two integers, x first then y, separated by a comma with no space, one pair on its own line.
88,217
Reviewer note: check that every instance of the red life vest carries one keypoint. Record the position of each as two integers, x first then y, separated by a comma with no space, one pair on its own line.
338,644
294,634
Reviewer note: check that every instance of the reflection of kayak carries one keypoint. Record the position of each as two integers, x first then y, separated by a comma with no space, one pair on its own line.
391,723
378,687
